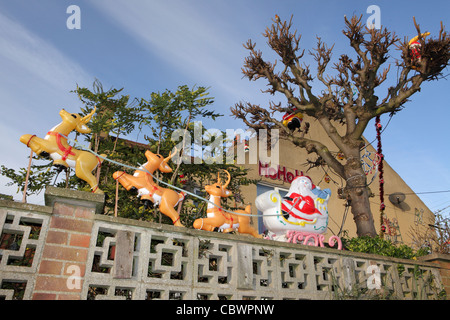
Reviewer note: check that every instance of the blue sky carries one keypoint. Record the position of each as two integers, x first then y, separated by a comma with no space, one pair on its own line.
149,46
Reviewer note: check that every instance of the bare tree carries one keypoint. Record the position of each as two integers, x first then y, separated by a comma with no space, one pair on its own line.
347,98
435,239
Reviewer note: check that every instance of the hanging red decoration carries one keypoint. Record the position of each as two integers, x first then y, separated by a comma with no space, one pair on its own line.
378,128
183,179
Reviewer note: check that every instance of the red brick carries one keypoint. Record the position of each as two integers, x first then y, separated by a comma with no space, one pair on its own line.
49,283
446,281
63,209
44,296
65,253
71,224
56,237
69,297
84,213
50,267
80,240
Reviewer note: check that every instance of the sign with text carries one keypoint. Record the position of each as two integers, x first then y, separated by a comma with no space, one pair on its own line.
278,173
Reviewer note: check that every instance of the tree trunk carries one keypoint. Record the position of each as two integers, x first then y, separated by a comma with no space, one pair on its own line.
358,194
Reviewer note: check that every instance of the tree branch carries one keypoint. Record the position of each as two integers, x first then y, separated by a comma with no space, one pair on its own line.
321,150
349,97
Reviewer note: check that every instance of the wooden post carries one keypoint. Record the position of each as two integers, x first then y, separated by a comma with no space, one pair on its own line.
245,267
123,260
24,198
117,198
180,204
67,177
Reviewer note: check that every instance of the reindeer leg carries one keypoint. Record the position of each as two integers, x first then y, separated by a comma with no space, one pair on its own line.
33,142
248,229
86,162
89,178
244,225
123,179
203,224
169,211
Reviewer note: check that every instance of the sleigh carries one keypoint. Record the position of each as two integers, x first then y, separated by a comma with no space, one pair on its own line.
303,218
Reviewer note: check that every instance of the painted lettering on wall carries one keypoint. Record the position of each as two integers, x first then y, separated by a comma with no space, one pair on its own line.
278,173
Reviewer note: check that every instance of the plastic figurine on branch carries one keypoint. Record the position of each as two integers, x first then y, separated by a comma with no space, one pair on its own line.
293,120
142,180
415,48
223,220
55,146
301,215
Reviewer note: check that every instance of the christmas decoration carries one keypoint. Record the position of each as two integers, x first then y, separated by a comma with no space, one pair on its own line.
293,119
301,214
55,146
223,220
415,48
142,180
378,128
183,179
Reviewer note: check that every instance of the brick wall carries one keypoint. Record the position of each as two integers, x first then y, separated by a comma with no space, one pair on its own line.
443,261
63,263
65,253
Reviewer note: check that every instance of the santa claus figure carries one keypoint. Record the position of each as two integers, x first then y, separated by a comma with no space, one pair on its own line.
415,48
299,203
303,209
293,119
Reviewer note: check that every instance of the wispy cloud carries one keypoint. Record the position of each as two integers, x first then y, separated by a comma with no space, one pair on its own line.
36,82
35,56
36,72
202,43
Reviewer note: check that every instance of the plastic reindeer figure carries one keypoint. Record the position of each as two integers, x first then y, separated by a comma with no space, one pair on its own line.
55,146
167,199
218,218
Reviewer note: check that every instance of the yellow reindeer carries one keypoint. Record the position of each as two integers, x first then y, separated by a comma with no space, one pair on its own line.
55,145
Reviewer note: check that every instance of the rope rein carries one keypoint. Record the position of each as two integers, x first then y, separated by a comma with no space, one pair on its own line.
141,168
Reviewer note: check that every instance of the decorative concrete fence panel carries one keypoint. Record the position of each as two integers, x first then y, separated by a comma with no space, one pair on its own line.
22,242
67,251
165,262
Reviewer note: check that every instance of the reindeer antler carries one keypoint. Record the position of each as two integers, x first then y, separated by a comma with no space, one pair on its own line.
171,155
88,117
218,177
228,180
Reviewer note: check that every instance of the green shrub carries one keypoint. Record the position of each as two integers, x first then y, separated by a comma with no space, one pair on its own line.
382,247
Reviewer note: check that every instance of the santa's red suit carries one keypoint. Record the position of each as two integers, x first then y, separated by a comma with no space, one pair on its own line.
296,203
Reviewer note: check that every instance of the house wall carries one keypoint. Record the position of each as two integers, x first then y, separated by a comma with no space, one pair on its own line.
403,221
